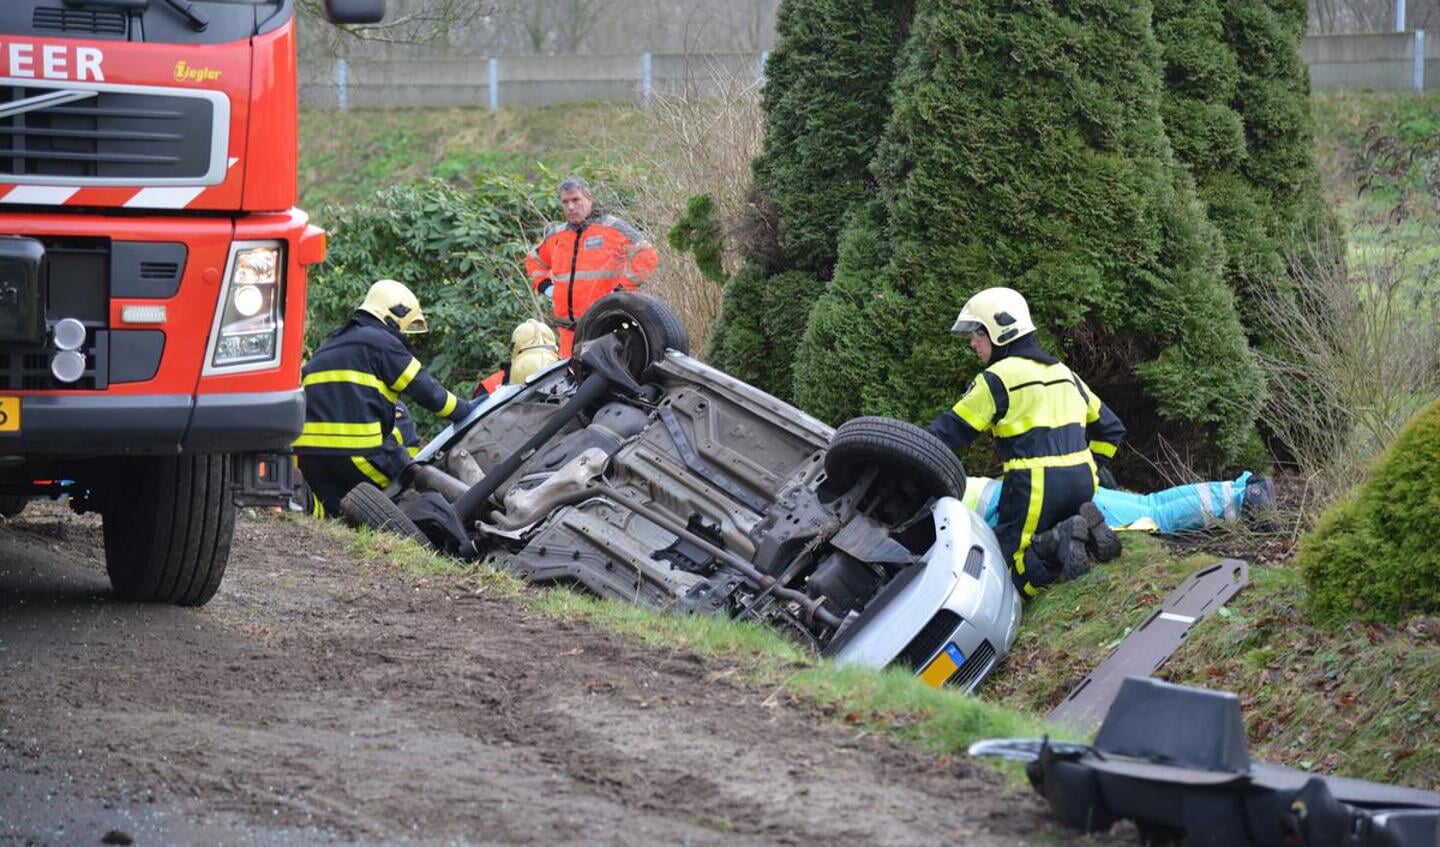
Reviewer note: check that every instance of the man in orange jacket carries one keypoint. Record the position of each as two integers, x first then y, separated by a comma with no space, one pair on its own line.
588,256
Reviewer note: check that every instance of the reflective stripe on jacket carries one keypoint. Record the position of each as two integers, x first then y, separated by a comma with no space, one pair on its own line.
584,263
351,386
1040,412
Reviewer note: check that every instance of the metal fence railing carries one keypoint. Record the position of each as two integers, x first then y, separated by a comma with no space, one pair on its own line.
1387,61
522,81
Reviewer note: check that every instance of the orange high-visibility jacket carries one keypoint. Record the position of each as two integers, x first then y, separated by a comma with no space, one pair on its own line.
585,263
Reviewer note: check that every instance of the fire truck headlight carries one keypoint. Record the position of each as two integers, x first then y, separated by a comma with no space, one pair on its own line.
248,331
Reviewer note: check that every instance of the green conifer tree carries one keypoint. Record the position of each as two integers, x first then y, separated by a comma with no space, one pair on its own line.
825,103
1026,148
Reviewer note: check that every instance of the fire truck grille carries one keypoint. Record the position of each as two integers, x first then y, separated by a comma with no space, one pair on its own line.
104,23
105,135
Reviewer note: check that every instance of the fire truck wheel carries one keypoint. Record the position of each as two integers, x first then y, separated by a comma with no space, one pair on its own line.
168,524
366,505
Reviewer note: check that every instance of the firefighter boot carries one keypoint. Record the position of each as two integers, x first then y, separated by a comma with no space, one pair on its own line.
1101,542
1060,550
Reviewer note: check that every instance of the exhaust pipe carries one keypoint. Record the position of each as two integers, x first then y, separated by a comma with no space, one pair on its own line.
602,358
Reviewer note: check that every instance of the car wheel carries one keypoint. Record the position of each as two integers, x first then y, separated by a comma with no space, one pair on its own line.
913,465
12,505
366,505
645,326
168,523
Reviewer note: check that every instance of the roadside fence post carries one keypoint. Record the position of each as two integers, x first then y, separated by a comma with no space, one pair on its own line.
342,84
492,76
647,79
1399,15
1418,72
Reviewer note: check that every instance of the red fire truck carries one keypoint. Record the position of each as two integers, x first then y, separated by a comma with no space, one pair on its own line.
152,271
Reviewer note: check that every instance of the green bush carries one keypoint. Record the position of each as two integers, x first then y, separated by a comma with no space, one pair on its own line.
698,233
1026,147
461,250
1376,554
1202,78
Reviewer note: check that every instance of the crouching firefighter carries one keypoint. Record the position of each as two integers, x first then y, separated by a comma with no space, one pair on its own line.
351,386
1041,415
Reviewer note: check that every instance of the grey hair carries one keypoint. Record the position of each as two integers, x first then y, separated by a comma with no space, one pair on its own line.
576,183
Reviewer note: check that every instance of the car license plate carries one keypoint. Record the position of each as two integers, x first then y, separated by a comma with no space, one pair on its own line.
9,414
943,666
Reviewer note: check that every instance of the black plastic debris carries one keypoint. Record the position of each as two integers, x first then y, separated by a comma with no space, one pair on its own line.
1175,761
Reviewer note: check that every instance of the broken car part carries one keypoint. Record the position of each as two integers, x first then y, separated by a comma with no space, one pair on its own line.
1175,761
1148,647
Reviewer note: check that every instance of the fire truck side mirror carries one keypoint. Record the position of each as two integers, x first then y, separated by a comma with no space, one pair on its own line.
354,11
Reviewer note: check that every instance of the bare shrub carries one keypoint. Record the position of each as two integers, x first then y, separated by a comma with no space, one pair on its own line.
700,135
1345,381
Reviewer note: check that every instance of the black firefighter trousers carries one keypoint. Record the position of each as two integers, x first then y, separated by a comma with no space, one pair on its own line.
1032,500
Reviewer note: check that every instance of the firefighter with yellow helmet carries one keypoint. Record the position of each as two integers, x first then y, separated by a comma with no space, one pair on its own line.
1051,431
533,348
351,386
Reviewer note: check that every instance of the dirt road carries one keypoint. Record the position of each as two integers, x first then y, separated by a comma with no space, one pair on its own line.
321,700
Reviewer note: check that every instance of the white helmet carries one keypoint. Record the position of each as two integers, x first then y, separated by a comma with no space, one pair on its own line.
1001,312
396,305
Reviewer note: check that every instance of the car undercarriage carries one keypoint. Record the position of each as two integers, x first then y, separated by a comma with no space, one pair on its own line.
641,474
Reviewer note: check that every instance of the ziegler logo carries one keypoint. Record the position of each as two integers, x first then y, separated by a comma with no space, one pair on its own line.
185,73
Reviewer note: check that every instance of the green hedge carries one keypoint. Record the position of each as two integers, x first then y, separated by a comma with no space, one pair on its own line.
1026,147
1202,81
461,250
1376,554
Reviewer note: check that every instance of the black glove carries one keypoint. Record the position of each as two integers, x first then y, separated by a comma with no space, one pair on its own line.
1105,476
462,408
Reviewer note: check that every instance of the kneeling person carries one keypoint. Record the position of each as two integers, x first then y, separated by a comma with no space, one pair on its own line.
1041,415
351,386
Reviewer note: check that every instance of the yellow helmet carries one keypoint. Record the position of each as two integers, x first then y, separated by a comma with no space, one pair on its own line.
396,305
1001,312
532,348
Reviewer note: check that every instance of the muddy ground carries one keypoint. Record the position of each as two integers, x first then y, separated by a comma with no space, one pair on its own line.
321,700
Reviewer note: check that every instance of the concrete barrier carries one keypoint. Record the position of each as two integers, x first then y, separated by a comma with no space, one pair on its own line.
1378,61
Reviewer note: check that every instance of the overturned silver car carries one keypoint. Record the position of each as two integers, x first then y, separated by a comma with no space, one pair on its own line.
642,474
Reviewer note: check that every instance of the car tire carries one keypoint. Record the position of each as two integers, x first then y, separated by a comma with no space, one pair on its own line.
906,454
11,505
168,524
366,505
646,327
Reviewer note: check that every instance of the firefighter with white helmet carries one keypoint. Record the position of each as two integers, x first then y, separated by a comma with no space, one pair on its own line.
1051,431
351,386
